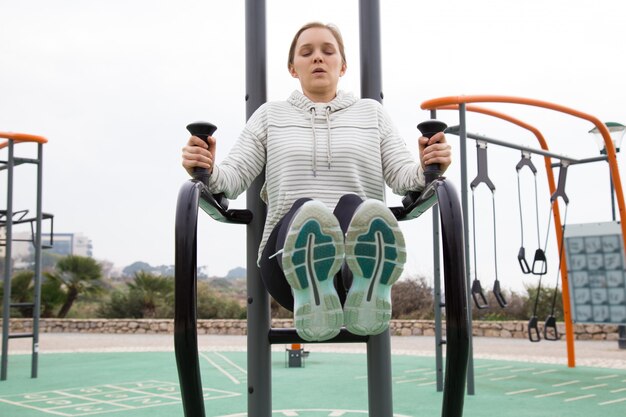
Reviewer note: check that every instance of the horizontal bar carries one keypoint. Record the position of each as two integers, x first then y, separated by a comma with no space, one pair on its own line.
279,336
22,305
454,130
21,335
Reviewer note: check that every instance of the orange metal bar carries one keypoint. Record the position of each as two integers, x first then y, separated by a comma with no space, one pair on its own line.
443,102
19,138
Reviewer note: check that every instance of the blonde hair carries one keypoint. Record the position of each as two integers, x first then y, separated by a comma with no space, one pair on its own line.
332,28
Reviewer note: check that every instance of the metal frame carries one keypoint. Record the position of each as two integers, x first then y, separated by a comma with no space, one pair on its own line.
464,103
9,165
261,336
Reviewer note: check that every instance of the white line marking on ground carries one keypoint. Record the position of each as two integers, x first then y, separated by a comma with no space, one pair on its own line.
547,371
503,378
606,377
500,368
582,397
612,401
91,400
231,362
482,366
618,390
520,391
521,370
45,410
485,375
337,413
410,371
361,377
426,383
562,384
411,380
219,368
550,394
594,386
290,413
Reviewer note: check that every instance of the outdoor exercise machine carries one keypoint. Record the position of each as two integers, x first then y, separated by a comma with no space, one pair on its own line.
9,218
465,103
194,195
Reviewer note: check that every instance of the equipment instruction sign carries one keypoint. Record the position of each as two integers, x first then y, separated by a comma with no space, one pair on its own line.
596,270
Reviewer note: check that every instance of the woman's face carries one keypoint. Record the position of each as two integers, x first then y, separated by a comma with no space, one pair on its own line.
317,64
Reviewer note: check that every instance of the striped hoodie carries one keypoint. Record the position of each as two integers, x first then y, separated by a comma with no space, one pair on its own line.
317,150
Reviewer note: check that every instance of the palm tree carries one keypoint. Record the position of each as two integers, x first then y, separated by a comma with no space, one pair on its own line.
77,275
153,291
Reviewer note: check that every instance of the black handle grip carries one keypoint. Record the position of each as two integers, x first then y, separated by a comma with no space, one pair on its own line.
429,128
202,130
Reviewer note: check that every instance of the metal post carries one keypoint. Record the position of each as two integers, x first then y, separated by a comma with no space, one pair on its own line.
38,260
378,347
259,349
464,204
439,342
621,330
6,306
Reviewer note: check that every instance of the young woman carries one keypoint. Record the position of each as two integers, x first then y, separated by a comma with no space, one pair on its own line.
331,249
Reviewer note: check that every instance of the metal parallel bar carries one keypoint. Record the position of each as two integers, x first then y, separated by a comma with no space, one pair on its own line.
6,311
465,209
185,324
38,260
259,315
458,332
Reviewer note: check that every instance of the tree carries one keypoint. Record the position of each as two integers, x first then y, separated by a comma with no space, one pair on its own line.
153,292
412,299
77,275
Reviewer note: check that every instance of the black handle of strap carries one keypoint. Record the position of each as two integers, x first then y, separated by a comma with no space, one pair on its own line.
550,331
533,330
521,258
540,263
478,295
497,292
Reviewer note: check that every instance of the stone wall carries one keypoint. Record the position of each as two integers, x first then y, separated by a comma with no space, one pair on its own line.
508,329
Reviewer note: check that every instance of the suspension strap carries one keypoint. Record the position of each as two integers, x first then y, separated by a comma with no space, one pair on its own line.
550,331
525,161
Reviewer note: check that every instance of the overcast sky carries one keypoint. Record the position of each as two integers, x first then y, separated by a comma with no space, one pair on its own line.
112,85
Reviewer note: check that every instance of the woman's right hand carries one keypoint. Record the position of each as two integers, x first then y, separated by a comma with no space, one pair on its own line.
197,153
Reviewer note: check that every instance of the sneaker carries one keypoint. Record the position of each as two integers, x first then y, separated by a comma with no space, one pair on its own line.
375,253
312,255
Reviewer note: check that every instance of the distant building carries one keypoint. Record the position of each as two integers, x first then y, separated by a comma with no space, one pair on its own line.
63,244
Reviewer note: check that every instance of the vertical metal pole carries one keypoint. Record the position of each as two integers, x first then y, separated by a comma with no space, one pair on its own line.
259,349
464,201
621,330
378,347
439,342
6,305
38,259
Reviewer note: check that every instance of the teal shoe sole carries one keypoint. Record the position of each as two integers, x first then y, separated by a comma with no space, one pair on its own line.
376,254
312,255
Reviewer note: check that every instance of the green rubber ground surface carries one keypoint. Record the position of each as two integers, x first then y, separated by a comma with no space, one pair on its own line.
330,384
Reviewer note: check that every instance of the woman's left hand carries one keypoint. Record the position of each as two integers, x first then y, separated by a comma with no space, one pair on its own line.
435,151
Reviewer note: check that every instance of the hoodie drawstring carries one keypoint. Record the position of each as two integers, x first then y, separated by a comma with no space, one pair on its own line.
329,156
328,139
314,142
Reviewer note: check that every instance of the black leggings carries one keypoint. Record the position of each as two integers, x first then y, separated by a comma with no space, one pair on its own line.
271,268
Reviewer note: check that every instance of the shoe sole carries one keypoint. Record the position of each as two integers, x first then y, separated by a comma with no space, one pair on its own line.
375,252
312,255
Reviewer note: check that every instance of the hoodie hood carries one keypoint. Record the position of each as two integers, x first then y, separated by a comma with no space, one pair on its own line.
341,101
